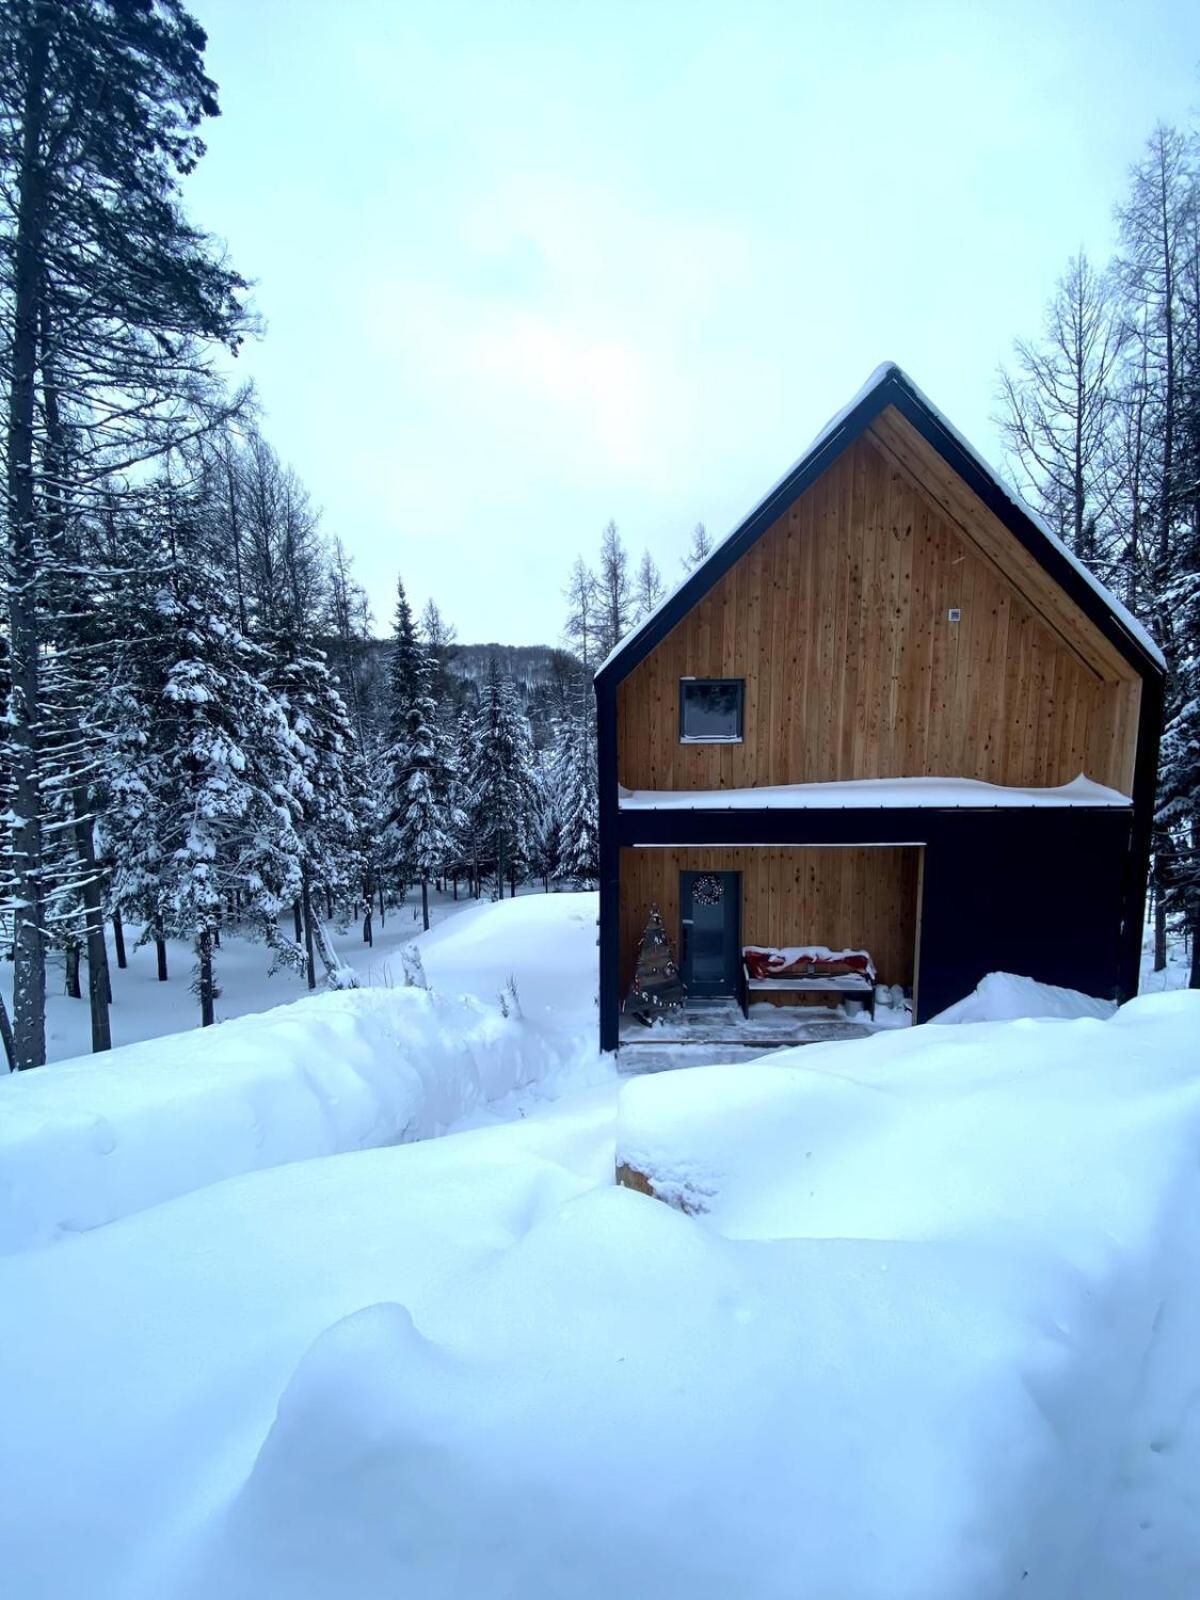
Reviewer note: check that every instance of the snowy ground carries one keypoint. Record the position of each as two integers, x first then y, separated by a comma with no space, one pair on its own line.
144,1008
922,1320
99,1137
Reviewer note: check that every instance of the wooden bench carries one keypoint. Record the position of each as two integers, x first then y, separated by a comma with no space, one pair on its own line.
851,985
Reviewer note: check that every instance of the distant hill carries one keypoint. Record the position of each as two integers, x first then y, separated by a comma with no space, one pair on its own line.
540,672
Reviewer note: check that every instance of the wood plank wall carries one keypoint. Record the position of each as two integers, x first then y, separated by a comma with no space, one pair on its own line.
837,620
862,898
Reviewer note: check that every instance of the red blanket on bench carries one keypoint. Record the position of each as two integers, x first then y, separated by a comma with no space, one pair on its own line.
813,962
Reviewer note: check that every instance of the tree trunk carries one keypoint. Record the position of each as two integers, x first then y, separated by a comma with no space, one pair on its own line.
24,712
99,985
456,885
425,903
160,947
119,937
310,970
328,904
71,951
382,909
368,931
207,995
297,920
1160,902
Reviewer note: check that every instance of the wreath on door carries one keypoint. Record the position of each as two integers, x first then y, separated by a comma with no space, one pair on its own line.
708,890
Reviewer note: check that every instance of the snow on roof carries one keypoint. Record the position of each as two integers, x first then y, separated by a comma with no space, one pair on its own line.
881,374
871,794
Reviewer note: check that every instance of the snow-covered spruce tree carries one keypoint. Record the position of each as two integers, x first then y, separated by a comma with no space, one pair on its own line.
577,791
545,841
99,107
404,685
203,773
1179,800
321,790
427,818
501,779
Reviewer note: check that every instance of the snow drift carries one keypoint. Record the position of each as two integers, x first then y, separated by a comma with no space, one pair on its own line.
926,1331
87,1141
1004,997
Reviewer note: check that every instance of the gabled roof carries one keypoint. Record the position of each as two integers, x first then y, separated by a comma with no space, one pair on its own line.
888,385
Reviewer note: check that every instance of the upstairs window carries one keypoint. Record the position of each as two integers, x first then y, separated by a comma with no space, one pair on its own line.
710,710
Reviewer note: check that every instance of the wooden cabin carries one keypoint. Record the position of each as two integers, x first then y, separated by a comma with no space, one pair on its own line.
890,712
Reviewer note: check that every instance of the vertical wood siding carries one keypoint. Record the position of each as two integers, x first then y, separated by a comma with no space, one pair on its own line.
837,620
860,898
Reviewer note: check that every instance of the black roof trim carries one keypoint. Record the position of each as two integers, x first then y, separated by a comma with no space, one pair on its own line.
893,387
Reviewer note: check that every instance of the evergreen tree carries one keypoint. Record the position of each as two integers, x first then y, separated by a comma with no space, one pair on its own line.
502,788
428,817
404,671
108,288
203,777
320,792
577,797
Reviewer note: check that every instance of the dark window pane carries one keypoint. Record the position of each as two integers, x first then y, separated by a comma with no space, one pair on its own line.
712,709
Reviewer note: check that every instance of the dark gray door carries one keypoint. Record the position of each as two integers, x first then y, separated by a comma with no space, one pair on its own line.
710,910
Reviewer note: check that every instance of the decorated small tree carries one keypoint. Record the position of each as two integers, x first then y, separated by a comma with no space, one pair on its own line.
657,989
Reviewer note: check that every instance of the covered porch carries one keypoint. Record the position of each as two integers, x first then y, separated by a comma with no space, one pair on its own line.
717,901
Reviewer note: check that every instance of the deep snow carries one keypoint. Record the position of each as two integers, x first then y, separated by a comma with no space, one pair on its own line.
93,1139
929,1330
927,1326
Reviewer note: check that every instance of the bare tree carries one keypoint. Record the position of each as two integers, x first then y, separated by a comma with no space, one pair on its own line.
1058,409
648,587
582,628
699,549
613,586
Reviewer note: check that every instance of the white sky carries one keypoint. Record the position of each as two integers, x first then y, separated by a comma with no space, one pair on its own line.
528,266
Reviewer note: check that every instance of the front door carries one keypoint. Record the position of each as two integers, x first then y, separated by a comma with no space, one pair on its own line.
710,911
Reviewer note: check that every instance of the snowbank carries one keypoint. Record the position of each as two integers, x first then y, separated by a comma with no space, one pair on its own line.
1004,997
90,1140
929,1331
873,1368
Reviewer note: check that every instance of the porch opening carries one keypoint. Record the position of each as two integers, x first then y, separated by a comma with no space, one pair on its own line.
717,902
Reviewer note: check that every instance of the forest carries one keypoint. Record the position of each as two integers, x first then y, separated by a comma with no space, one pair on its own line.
203,729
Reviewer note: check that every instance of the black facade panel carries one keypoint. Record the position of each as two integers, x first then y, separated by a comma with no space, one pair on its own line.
1042,893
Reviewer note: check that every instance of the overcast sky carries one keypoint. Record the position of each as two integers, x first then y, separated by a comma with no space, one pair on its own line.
526,267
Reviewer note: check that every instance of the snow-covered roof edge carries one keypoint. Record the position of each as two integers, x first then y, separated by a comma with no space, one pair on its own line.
868,794
886,371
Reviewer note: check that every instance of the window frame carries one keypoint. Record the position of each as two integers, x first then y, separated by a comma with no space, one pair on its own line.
713,738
